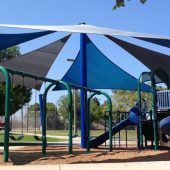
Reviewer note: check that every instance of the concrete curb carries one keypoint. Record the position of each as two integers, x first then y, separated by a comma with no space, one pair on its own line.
162,165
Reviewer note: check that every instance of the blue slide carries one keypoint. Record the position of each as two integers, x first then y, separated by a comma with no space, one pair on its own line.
132,119
165,128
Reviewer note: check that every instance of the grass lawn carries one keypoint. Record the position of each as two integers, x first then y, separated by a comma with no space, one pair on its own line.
28,138
131,134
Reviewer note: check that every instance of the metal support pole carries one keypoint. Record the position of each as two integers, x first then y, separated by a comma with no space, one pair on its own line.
119,131
109,110
70,115
75,94
139,126
155,123
75,124
28,116
44,140
83,93
7,111
41,109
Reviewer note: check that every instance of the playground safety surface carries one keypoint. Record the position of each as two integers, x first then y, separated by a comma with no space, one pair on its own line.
59,155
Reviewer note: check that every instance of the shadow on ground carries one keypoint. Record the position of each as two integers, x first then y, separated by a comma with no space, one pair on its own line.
59,155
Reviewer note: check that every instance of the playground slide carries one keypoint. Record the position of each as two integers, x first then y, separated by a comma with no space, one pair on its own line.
165,128
132,119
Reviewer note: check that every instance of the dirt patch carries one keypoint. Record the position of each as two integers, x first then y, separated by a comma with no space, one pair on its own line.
59,155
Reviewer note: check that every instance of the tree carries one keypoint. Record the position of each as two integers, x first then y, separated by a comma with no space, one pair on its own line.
121,3
9,53
95,108
63,108
50,109
124,100
19,95
34,107
51,114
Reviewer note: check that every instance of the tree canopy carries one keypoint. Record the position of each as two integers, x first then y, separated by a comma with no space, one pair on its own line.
50,108
19,94
95,108
51,114
121,3
124,100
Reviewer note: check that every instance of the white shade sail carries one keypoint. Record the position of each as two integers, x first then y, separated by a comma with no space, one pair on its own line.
83,28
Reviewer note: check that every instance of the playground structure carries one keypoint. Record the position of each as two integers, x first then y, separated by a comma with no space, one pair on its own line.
43,97
154,124
134,117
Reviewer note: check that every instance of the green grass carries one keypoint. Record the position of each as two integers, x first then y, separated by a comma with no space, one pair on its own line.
131,134
28,138
94,133
53,132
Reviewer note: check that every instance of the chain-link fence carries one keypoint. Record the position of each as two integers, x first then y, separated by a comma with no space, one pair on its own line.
32,124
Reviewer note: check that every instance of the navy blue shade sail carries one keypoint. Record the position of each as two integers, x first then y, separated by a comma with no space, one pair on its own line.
151,59
101,72
37,62
9,40
162,42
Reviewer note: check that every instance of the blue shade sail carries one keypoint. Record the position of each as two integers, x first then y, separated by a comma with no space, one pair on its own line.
101,72
9,40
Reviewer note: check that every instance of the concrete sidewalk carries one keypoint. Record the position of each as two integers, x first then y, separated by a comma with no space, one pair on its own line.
163,165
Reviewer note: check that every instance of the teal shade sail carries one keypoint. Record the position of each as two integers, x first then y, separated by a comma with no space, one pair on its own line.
101,72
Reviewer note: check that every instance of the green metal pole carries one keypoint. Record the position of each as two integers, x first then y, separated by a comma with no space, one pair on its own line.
7,112
139,127
44,138
70,113
155,124
110,118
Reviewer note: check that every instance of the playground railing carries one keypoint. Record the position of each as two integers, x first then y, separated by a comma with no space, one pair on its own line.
163,100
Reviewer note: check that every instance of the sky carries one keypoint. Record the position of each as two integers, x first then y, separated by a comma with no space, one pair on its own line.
152,18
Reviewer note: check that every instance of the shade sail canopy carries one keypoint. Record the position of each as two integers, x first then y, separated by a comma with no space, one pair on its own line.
162,42
37,62
8,40
89,29
101,72
152,59
82,28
